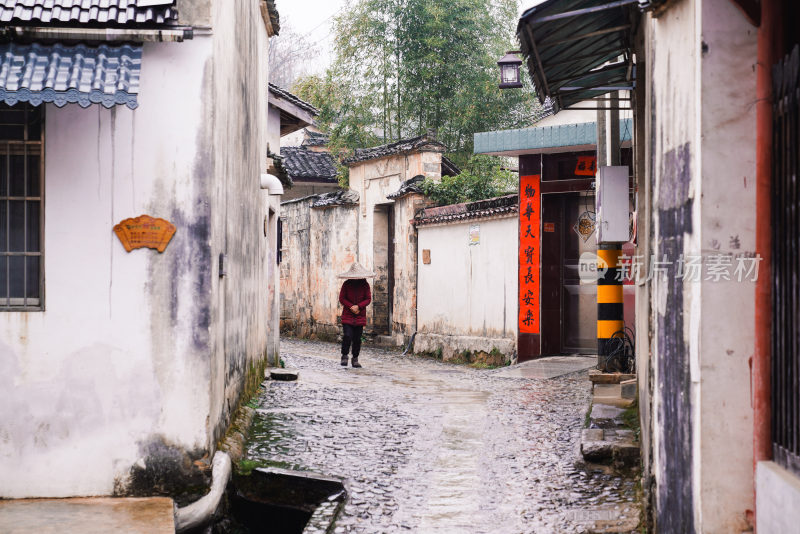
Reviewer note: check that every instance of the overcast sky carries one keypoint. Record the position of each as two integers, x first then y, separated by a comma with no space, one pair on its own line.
314,19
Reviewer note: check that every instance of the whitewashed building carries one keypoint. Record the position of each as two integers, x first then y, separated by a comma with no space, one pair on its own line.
118,367
715,106
467,280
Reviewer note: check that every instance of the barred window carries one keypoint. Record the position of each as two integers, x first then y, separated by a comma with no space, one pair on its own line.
21,213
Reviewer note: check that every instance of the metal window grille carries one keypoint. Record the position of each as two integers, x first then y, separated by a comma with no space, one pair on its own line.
21,208
785,372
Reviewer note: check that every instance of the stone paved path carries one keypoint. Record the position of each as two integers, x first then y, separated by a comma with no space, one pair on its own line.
436,448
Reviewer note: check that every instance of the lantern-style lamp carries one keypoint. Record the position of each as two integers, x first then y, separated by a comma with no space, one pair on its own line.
509,70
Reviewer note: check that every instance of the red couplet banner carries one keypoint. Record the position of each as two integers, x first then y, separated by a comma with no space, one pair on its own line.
529,243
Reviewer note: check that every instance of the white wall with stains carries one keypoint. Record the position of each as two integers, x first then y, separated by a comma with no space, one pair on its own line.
700,118
373,180
134,366
468,291
318,244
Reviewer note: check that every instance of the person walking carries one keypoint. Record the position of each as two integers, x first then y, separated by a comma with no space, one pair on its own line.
354,296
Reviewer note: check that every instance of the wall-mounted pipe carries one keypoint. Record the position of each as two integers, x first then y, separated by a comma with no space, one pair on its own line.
272,184
177,34
199,512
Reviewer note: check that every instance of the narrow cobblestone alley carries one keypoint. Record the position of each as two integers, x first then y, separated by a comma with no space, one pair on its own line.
433,447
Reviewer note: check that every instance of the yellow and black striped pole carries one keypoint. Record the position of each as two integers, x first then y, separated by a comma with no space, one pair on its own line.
610,311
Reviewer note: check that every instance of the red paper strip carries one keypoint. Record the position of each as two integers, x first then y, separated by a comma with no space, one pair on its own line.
529,243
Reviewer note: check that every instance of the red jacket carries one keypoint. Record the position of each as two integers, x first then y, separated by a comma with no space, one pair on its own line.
355,292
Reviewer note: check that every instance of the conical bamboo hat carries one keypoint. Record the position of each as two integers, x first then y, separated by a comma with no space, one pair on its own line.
356,271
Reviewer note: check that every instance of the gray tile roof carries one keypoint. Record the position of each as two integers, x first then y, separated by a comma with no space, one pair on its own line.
283,93
315,138
449,168
403,146
342,197
304,164
37,73
412,185
89,12
480,209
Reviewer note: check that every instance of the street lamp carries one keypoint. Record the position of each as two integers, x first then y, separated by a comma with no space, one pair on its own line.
509,70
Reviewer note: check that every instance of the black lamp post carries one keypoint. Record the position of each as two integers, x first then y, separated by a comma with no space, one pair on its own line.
509,70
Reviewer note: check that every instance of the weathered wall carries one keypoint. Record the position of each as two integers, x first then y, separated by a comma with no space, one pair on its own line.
701,62
274,129
244,307
96,371
305,189
404,312
318,244
467,294
728,222
373,180
132,369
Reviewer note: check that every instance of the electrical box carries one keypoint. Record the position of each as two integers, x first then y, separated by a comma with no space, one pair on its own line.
612,198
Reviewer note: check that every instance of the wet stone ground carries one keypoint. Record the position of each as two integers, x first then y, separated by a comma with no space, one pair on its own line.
432,447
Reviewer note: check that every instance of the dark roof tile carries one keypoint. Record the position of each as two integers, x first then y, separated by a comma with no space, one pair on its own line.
342,197
412,185
90,12
449,168
468,210
315,138
301,163
403,146
286,95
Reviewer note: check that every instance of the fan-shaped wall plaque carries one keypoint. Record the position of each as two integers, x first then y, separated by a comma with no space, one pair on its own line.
144,231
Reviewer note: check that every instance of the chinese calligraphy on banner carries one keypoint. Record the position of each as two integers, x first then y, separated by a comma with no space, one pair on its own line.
586,166
529,217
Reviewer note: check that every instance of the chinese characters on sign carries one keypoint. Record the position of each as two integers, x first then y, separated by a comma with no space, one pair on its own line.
586,166
144,231
529,218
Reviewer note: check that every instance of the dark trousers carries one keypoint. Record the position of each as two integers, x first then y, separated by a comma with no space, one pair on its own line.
352,334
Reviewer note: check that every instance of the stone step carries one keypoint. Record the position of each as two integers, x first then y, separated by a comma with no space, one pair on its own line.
95,515
599,377
600,445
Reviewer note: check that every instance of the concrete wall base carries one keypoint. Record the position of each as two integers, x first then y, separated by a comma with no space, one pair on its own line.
777,499
453,348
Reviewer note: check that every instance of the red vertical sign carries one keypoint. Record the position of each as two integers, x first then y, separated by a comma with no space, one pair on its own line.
529,226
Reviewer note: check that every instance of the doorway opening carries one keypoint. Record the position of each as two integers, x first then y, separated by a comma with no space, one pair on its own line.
383,256
569,299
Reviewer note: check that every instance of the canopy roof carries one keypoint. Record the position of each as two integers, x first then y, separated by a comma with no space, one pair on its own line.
578,49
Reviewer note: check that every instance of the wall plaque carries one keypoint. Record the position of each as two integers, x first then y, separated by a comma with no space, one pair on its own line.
144,231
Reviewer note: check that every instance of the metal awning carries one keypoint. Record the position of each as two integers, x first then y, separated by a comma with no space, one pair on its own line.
36,73
578,49
546,139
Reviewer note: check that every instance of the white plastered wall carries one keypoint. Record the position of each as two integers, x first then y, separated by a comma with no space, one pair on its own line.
105,367
469,290
727,165
701,83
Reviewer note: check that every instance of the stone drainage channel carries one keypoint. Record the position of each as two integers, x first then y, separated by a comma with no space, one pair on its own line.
425,446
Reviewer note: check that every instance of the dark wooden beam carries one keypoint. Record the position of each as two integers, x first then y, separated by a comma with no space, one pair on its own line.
566,186
751,10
